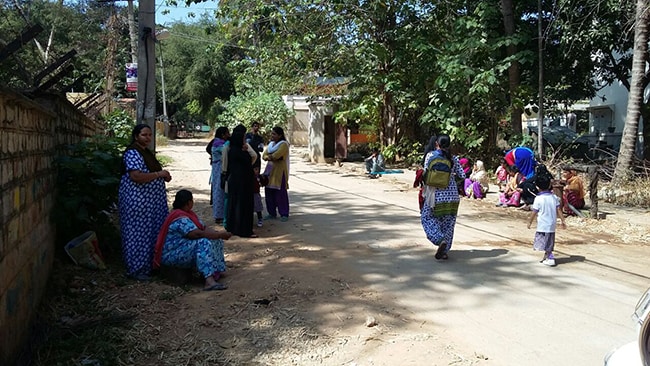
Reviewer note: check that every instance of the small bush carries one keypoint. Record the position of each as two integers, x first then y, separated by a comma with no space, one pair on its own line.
119,124
406,152
164,160
87,190
161,140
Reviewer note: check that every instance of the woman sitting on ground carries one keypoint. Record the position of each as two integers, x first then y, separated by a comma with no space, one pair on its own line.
478,183
574,192
184,241
528,187
510,196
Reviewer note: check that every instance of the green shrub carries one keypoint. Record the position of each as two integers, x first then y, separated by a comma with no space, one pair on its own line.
406,152
164,160
87,188
119,124
161,140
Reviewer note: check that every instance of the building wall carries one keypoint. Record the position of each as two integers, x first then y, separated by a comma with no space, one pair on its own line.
31,135
298,125
609,109
306,127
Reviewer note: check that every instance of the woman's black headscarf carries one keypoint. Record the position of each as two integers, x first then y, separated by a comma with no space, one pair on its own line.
237,137
149,158
430,147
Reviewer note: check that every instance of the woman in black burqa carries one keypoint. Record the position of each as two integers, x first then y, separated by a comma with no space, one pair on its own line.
240,186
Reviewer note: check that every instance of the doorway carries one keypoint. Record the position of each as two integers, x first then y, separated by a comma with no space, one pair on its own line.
329,148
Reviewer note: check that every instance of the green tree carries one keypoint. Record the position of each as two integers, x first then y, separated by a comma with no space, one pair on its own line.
266,108
196,67
79,25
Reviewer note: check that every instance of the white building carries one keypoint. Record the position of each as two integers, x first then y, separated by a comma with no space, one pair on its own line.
312,125
607,112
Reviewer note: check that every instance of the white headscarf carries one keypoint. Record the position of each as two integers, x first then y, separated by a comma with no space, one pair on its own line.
480,175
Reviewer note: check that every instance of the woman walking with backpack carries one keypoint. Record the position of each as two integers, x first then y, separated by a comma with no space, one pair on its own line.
440,208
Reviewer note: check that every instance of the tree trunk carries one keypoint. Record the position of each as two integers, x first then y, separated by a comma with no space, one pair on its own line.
507,9
133,32
635,97
384,26
388,118
109,62
645,113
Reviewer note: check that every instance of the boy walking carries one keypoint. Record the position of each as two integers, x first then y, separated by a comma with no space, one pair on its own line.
546,208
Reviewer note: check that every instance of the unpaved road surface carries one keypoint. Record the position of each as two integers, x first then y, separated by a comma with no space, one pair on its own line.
354,254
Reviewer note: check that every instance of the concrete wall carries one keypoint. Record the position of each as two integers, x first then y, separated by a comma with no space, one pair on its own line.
306,127
31,134
298,125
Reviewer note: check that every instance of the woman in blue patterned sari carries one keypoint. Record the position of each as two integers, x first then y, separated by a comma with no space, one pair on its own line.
184,241
440,207
142,203
216,152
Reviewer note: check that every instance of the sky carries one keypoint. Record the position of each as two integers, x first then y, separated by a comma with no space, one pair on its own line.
180,13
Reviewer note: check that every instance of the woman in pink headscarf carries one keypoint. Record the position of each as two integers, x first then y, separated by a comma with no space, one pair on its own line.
467,168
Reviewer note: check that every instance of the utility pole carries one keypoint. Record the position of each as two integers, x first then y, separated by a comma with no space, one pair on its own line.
133,32
540,54
146,99
164,100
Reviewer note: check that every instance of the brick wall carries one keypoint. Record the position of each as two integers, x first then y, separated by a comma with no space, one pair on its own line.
31,134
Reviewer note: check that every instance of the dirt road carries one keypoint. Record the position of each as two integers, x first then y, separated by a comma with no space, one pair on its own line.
350,279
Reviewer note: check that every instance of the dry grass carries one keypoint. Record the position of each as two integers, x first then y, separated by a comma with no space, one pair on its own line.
101,318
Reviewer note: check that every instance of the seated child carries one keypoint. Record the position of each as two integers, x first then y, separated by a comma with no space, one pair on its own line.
502,175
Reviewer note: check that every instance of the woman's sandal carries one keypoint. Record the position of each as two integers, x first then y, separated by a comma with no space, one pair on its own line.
440,253
216,287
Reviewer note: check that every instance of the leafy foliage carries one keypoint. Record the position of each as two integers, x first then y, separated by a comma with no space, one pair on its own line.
406,152
79,25
266,108
119,124
88,180
196,70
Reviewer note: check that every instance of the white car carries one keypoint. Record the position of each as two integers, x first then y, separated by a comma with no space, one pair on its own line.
635,353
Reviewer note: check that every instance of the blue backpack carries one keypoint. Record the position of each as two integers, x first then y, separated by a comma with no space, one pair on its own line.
438,172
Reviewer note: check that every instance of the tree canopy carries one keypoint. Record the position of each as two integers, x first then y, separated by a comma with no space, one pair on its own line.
411,67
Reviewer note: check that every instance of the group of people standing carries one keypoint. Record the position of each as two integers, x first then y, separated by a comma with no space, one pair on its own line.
153,237
237,178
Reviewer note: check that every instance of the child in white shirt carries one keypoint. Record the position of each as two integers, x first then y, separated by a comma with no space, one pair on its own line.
546,208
